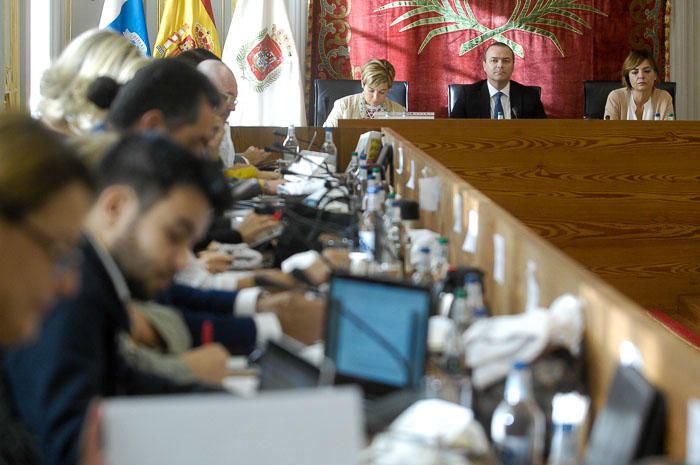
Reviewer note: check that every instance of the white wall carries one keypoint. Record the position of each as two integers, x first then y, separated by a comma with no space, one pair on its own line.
685,54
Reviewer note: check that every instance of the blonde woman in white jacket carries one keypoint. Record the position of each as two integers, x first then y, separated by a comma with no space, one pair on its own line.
377,78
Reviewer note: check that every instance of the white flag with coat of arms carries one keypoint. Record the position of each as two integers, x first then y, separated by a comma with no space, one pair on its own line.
261,52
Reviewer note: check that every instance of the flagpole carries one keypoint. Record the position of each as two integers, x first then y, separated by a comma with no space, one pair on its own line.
68,20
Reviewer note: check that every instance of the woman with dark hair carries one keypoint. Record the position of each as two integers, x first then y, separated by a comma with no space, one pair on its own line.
44,194
639,99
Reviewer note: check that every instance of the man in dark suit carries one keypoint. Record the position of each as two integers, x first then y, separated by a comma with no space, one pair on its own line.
154,199
497,96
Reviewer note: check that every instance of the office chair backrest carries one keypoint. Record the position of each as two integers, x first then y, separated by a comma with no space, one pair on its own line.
595,95
327,91
456,99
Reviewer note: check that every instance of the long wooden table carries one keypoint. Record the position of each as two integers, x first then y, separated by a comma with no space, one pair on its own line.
611,317
624,215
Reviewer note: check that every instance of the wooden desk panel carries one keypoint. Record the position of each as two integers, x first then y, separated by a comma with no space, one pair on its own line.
611,318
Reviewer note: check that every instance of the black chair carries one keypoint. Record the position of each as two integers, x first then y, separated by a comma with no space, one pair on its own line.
327,91
456,101
595,95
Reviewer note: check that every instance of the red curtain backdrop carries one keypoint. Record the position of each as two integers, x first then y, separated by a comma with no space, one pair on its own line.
563,43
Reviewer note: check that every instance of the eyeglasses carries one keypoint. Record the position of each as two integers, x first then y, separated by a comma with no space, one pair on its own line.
64,257
227,99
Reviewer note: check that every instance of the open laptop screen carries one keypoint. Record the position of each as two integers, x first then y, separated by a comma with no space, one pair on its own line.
376,331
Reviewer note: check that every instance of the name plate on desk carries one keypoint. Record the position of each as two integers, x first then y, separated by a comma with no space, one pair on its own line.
309,426
404,115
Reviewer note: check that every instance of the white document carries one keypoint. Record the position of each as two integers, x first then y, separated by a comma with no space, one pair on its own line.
309,426
411,183
399,164
499,259
457,212
470,240
429,193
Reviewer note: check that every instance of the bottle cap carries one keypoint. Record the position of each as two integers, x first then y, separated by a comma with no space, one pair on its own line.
442,240
520,365
424,250
460,293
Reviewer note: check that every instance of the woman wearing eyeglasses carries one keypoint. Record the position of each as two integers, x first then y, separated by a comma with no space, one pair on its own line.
44,194
639,99
377,78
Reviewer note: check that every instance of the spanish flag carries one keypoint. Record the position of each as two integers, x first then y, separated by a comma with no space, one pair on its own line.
186,24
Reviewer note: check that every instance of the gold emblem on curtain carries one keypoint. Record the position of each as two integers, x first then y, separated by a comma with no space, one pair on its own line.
535,17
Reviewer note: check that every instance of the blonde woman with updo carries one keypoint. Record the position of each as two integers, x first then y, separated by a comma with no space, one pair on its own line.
64,105
377,78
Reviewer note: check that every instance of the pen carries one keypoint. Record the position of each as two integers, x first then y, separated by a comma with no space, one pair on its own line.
207,332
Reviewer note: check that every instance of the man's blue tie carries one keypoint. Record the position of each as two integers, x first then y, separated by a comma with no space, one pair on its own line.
498,107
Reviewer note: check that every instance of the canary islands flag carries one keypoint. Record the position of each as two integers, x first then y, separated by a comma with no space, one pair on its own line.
127,18
187,24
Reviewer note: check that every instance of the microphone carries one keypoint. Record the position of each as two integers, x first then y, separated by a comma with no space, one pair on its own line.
514,112
308,147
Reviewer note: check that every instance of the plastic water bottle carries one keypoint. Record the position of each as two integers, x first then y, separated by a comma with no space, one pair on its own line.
500,116
354,163
368,223
361,178
377,173
330,150
351,171
670,117
459,311
518,424
564,449
475,295
422,276
442,260
657,116
290,144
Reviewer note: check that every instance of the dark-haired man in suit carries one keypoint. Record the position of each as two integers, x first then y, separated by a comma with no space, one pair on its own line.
498,95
